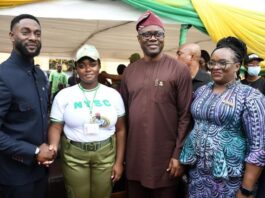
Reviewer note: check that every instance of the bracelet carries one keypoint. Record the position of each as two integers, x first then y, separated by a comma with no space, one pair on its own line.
246,192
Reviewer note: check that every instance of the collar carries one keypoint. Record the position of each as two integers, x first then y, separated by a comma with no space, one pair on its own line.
23,62
88,90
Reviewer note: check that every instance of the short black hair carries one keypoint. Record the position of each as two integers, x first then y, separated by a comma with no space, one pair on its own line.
121,68
16,19
205,55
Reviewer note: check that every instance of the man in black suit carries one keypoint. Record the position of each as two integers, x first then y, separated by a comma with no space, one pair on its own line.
23,115
190,54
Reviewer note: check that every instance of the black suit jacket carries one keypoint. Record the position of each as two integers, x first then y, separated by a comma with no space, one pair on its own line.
23,120
201,78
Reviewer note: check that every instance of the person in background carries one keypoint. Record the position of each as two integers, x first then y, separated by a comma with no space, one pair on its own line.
157,91
103,79
60,87
23,115
74,79
116,79
69,71
91,117
116,82
204,59
225,150
46,77
134,57
252,77
45,74
120,69
190,54
55,78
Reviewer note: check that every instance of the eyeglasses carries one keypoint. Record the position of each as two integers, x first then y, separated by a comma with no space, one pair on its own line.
221,64
148,35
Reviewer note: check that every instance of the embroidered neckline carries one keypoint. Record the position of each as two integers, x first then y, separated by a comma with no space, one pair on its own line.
228,85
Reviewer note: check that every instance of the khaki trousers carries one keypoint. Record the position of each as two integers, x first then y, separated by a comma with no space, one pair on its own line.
87,174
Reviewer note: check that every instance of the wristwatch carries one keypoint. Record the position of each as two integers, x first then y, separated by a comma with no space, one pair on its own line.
246,192
37,151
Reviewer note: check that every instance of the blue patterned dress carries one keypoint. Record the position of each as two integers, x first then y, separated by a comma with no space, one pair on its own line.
229,129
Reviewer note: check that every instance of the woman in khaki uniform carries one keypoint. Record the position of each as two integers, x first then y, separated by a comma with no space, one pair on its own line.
91,115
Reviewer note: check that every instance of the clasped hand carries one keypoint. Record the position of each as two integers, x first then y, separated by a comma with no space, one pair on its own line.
46,155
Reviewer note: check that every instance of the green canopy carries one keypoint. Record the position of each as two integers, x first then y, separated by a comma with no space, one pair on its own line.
181,11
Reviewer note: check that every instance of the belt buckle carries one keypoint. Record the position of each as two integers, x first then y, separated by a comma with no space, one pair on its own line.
91,147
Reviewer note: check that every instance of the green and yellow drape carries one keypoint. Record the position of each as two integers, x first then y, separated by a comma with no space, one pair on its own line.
216,18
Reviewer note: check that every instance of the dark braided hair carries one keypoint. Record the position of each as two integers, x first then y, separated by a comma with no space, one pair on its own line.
235,44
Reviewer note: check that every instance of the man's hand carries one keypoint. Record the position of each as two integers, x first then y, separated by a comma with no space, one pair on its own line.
175,169
48,163
47,154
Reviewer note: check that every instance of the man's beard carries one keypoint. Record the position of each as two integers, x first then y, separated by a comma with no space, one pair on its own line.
24,52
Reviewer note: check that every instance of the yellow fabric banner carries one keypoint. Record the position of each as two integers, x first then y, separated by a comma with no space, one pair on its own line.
8,3
223,19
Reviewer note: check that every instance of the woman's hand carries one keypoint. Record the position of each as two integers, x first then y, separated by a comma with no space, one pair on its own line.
54,149
117,171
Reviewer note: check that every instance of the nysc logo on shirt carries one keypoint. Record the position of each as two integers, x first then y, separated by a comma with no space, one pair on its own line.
86,103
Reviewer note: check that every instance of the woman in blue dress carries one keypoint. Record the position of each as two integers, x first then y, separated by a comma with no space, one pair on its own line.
226,148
